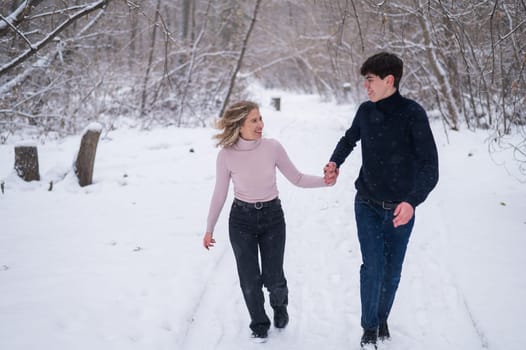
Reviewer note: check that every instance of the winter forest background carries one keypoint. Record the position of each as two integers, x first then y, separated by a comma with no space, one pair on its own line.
64,64
119,264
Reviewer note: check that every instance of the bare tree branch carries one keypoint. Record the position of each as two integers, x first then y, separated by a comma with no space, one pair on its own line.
36,47
11,25
17,16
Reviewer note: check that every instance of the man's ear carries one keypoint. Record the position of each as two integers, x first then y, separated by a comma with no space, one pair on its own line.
390,80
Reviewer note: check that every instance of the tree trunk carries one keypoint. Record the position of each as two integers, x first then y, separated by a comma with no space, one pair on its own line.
134,37
240,58
150,61
444,88
86,157
186,20
26,163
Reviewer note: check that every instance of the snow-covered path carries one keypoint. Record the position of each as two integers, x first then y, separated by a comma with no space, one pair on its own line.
119,264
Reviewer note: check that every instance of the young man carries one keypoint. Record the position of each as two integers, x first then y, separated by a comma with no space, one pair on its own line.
399,169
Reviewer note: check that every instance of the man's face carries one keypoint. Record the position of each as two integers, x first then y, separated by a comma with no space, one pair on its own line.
378,88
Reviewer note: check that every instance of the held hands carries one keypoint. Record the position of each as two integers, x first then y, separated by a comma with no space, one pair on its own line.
331,173
403,213
208,240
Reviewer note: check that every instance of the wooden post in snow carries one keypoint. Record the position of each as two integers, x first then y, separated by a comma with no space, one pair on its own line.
26,161
346,90
276,103
86,157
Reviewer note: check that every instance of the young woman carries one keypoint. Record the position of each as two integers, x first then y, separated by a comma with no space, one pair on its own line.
256,223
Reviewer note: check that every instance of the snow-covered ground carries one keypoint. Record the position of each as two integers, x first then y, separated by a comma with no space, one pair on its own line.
120,265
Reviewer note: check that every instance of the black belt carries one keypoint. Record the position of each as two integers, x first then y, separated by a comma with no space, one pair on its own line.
257,205
387,205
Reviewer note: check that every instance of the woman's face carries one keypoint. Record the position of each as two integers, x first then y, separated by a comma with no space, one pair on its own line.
252,127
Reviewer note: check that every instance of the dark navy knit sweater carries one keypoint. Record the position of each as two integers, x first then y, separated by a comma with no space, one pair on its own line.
399,155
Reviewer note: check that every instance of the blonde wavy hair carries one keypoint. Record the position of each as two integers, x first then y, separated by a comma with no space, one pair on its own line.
231,121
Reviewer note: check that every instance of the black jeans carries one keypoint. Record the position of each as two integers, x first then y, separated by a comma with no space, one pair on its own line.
255,231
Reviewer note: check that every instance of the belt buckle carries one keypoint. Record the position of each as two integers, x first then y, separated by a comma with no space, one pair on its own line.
258,205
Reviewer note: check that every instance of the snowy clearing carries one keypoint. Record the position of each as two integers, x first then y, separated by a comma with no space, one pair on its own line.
119,264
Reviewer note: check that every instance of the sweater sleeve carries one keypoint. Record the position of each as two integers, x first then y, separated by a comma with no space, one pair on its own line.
348,142
220,191
292,174
426,159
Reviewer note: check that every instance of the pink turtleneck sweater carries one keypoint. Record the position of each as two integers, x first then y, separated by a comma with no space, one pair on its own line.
252,167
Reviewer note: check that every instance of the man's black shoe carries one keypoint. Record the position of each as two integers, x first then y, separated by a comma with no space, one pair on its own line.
369,339
259,337
383,332
281,317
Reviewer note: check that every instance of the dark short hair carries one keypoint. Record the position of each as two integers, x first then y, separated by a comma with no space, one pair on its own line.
383,64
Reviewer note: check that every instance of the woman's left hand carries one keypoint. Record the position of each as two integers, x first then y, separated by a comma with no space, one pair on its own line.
403,213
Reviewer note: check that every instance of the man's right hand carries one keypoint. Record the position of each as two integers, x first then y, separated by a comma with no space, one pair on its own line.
331,172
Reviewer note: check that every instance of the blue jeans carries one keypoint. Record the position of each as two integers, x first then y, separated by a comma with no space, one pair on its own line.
383,250
253,232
